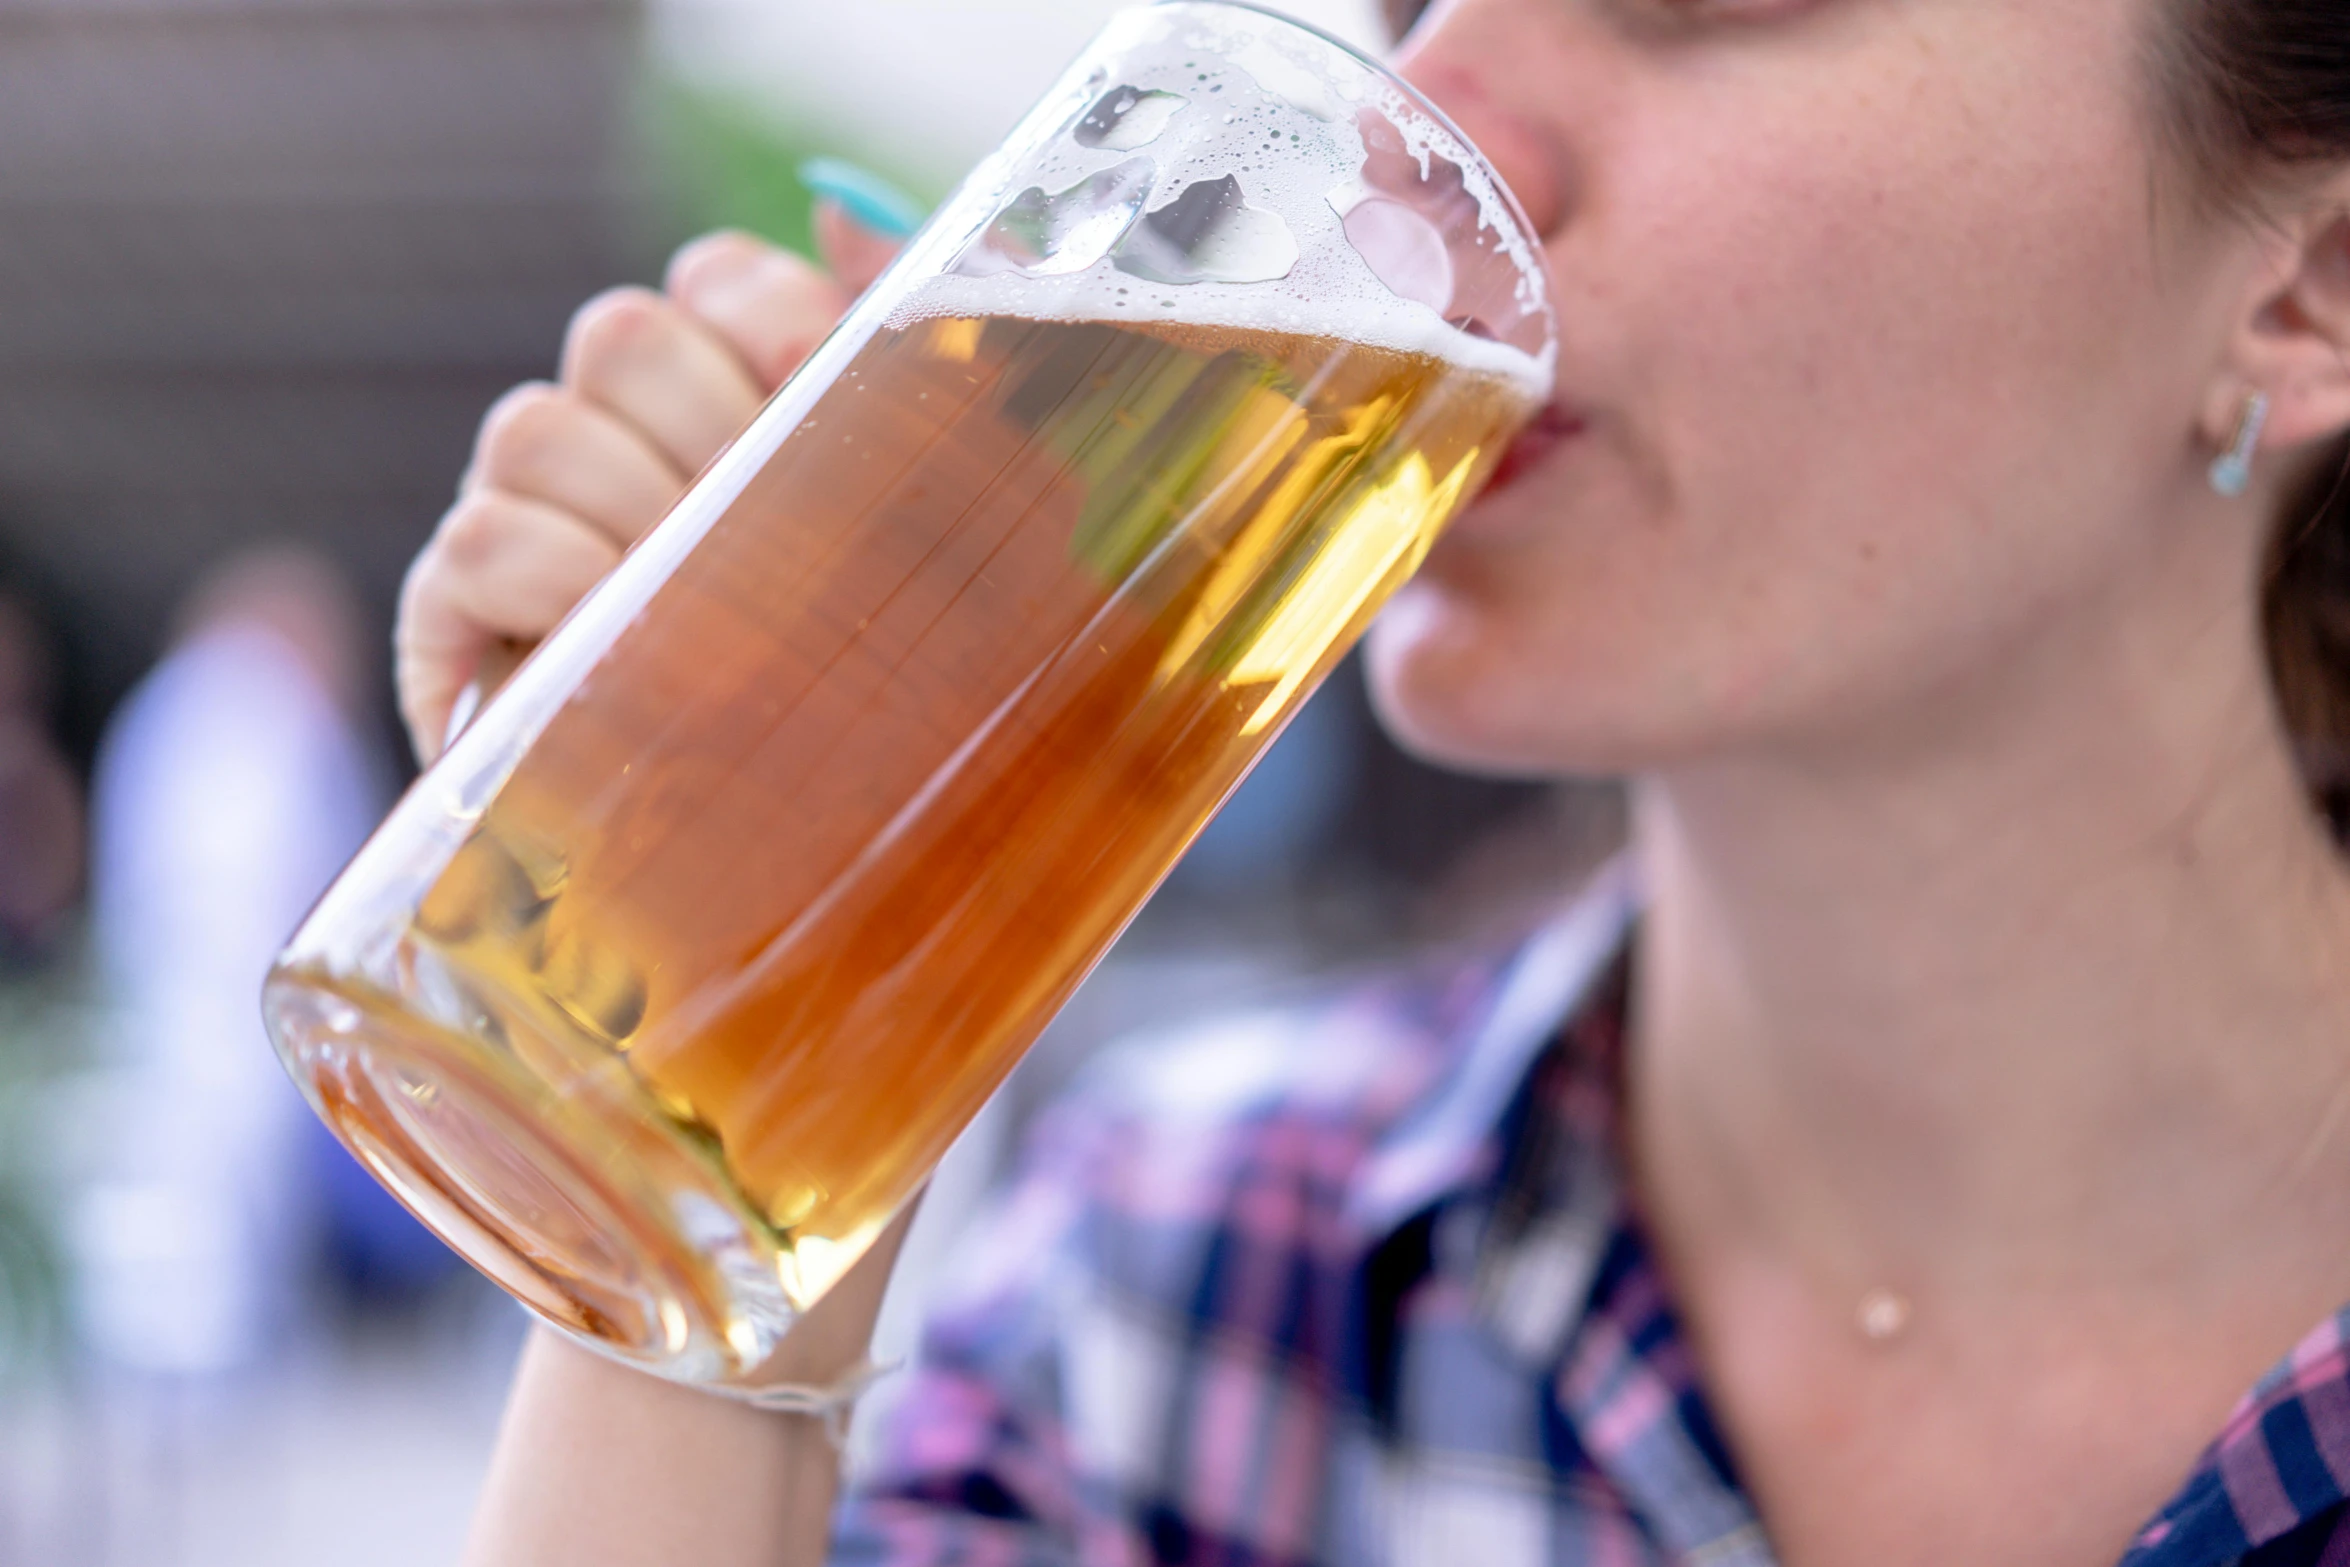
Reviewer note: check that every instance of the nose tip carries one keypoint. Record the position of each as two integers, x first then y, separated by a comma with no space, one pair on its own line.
1510,141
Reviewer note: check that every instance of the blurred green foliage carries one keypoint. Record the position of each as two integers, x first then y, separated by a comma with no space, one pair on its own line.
47,1025
720,162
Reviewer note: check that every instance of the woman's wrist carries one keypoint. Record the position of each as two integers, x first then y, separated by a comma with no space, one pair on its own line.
829,1404
824,1363
602,1465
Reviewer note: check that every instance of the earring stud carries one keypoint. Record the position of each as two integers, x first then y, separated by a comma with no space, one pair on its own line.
2231,475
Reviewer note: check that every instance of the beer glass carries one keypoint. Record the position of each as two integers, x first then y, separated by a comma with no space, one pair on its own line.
666,987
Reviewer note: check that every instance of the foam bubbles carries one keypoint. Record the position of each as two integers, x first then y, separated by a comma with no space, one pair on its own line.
1270,199
1126,118
1209,233
1042,234
1402,326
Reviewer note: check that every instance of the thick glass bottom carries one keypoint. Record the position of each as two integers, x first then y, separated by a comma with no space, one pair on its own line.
584,1202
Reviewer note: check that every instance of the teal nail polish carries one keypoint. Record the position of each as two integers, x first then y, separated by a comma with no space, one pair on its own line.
864,195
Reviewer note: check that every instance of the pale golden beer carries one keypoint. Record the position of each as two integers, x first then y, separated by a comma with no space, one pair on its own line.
703,946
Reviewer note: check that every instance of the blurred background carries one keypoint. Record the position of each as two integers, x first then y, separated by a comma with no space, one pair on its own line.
263,265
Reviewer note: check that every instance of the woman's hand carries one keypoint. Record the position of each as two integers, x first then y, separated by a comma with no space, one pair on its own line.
567,474
598,1464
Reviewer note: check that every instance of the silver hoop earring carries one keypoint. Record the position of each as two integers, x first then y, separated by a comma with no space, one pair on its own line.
2231,475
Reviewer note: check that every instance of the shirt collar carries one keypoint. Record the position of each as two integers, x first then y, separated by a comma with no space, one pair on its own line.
2280,1464
1515,1157
1533,1221
1452,1140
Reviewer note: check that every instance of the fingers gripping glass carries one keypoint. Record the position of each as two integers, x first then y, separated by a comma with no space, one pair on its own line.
665,989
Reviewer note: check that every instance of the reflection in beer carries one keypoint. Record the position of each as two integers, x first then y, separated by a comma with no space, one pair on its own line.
998,626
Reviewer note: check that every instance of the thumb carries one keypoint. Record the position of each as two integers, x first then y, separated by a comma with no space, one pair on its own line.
861,219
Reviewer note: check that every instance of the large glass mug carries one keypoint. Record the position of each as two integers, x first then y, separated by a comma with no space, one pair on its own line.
665,989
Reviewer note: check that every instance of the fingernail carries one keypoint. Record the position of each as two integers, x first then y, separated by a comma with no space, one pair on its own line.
864,196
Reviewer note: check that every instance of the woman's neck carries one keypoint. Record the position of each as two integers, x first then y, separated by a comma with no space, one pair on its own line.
2052,991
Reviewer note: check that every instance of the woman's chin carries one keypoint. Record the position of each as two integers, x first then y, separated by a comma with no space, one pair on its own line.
1438,690
1460,683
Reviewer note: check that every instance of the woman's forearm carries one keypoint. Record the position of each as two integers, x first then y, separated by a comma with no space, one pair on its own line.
601,1466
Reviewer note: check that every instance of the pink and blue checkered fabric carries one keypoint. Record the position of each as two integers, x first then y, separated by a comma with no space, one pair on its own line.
1357,1288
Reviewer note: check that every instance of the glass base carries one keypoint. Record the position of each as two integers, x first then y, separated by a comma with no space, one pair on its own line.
589,1206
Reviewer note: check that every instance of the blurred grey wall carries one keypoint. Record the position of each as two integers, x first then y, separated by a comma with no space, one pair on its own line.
262,265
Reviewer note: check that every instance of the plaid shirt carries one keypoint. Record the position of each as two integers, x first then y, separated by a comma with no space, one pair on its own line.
1360,1287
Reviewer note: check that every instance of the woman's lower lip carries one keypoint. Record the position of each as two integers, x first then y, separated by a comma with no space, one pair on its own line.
1551,429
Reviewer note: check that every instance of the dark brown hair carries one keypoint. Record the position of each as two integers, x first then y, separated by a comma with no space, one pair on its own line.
2259,89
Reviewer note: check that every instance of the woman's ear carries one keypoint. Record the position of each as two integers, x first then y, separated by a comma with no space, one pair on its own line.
2294,345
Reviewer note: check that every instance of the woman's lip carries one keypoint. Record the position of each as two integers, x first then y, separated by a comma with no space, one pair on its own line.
1551,429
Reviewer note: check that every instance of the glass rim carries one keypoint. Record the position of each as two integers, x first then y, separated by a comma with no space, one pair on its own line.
1418,99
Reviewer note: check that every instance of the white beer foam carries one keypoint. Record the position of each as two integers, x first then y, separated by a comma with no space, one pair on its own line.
1275,109
1368,315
